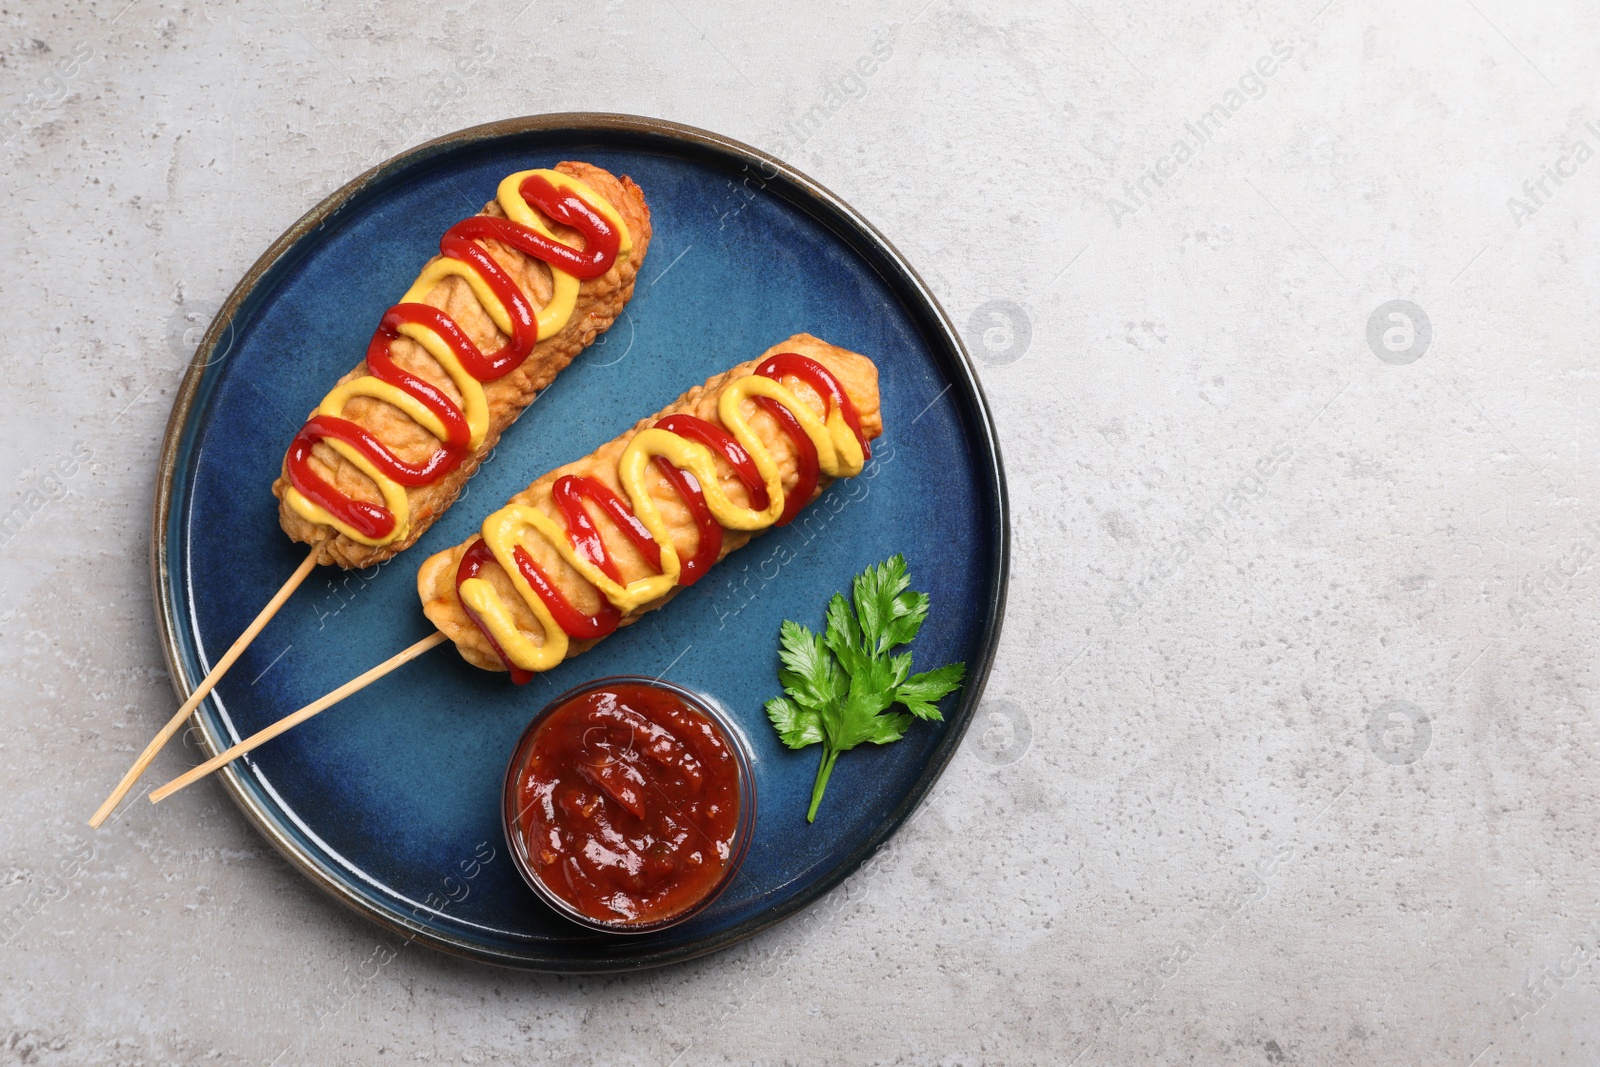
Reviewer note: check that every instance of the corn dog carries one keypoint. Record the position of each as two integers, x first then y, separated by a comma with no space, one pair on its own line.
519,290
595,544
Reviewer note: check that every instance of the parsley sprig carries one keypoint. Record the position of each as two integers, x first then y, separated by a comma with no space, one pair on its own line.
838,686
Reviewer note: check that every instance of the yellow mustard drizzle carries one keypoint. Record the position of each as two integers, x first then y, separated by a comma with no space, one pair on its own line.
474,404
839,455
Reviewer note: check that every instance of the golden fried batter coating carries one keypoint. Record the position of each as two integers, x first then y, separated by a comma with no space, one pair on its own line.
436,582
600,301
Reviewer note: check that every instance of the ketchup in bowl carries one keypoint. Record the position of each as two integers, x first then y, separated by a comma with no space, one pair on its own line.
628,804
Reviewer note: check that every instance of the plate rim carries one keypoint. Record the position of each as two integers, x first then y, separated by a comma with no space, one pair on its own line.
930,317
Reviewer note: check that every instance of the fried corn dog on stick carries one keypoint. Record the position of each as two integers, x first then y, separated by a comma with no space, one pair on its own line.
441,403
517,291
595,544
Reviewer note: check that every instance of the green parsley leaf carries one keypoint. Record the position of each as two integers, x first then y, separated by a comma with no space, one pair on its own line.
839,686
909,611
797,726
813,678
919,691
870,693
886,728
843,635
874,591
899,669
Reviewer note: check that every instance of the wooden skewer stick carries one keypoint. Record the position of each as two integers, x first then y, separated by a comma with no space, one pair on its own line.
204,687
289,721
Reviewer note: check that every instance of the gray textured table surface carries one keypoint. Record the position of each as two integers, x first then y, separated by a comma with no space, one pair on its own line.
1288,753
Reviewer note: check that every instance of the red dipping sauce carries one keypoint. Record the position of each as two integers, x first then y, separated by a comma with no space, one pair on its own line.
628,804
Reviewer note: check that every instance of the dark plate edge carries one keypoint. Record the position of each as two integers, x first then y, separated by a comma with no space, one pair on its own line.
887,259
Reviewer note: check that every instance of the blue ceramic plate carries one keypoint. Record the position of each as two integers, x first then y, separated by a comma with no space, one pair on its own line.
390,801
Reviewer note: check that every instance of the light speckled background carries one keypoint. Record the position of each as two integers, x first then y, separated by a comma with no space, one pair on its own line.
1290,749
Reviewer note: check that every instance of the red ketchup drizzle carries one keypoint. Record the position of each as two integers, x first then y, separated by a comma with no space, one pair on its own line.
473,561
805,457
572,621
601,241
827,386
814,374
719,442
569,492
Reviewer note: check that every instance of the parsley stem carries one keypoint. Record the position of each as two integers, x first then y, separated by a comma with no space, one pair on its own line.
824,769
